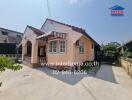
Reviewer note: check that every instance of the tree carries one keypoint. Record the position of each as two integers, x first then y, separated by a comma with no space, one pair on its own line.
7,63
110,52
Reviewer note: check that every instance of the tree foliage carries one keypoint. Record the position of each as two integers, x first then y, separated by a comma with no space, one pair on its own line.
7,63
129,54
110,52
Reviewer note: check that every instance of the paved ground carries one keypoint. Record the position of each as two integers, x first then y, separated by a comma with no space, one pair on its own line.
110,83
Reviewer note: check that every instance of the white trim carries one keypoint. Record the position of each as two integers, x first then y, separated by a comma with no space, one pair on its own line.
58,45
49,47
44,35
82,45
65,46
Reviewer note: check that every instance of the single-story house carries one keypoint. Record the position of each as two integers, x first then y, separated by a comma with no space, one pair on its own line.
56,44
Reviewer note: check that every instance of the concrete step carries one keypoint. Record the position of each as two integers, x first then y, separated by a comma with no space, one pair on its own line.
27,63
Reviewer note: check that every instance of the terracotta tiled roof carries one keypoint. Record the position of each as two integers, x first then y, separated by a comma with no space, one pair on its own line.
74,27
36,31
77,29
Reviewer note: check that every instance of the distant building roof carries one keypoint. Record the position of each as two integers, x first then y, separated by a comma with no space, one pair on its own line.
11,36
129,43
10,30
117,7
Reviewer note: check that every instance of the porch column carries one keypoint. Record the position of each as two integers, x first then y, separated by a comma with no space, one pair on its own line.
34,54
24,50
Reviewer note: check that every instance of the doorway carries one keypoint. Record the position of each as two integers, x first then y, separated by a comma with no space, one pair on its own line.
42,54
29,49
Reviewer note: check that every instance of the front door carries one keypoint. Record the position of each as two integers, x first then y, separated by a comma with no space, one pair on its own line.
42,54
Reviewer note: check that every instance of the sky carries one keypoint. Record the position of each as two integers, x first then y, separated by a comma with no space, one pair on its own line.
91,15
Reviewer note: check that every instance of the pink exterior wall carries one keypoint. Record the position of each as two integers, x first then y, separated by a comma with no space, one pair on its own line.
30,36
72,52
88,51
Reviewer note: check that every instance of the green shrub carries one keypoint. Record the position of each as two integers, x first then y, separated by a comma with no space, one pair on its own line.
7,63
87,65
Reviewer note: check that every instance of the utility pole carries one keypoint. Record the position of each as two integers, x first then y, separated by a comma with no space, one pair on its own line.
48,7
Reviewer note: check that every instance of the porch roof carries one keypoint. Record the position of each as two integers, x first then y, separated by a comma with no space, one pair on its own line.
54,33
44,35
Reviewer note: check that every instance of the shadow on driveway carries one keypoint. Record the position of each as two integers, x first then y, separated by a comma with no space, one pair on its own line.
69,78
104,73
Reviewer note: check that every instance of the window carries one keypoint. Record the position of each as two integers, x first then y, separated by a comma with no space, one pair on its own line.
81,48
57,46
53,46
4,33
92,46
18,35
62,46
5,41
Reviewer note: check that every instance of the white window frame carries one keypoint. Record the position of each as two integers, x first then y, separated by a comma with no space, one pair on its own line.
52,51
60,46
81,48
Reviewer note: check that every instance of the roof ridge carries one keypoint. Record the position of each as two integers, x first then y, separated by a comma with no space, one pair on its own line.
64,23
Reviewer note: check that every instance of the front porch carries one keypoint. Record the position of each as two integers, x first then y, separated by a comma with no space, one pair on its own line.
34,52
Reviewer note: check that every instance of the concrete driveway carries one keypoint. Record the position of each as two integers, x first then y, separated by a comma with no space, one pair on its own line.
110,83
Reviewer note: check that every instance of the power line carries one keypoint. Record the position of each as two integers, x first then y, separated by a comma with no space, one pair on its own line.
49,11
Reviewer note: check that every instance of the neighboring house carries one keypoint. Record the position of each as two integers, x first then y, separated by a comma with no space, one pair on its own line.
56,43
126,49
126,56
8,40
